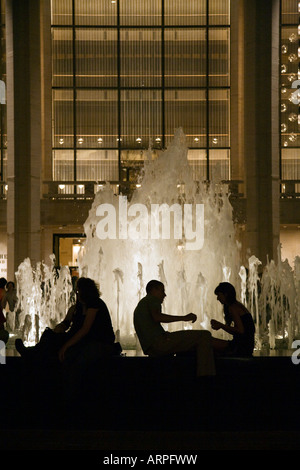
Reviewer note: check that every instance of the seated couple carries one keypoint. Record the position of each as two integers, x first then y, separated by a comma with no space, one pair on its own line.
156,342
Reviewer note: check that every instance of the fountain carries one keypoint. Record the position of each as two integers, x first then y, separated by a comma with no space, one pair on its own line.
44,296
123,266
163,233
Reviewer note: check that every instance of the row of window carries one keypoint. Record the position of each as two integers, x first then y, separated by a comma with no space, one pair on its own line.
143,116
140,58
143,13
103,165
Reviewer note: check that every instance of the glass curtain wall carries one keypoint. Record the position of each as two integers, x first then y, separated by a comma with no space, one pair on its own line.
290,96
127,74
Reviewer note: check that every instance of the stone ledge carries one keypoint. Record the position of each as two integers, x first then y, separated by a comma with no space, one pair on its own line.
182,367
142,393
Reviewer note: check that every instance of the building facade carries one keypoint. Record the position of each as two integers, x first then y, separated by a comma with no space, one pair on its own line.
89,87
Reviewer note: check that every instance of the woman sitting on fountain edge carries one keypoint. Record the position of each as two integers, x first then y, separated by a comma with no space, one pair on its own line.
238,323
86,327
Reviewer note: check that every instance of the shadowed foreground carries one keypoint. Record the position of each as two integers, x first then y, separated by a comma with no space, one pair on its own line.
138,403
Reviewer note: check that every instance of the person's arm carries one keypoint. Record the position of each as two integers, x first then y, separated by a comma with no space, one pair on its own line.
88,321
237,327
164,318
65,324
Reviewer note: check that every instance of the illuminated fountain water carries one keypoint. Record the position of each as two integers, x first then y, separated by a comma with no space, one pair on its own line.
124,266
123,262
279,303
44,296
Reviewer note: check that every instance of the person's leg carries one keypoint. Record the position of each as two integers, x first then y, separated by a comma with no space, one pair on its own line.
46,349
219,345
188,340
81,365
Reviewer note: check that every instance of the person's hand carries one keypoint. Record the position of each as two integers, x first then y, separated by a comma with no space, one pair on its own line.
216,325
191,317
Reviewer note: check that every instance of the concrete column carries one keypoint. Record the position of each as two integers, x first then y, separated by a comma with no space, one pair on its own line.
261,126
24,131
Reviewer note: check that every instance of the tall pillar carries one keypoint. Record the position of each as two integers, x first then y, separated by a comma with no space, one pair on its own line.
261,126
24,132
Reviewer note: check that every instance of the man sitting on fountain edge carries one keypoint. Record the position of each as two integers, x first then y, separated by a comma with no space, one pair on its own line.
157,342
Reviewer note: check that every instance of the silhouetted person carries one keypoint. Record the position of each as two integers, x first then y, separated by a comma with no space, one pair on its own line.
86,329
157,342
238,323
9,303
10,296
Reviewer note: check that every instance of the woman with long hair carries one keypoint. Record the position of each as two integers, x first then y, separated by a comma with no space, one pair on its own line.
87,326
238,323
91,320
